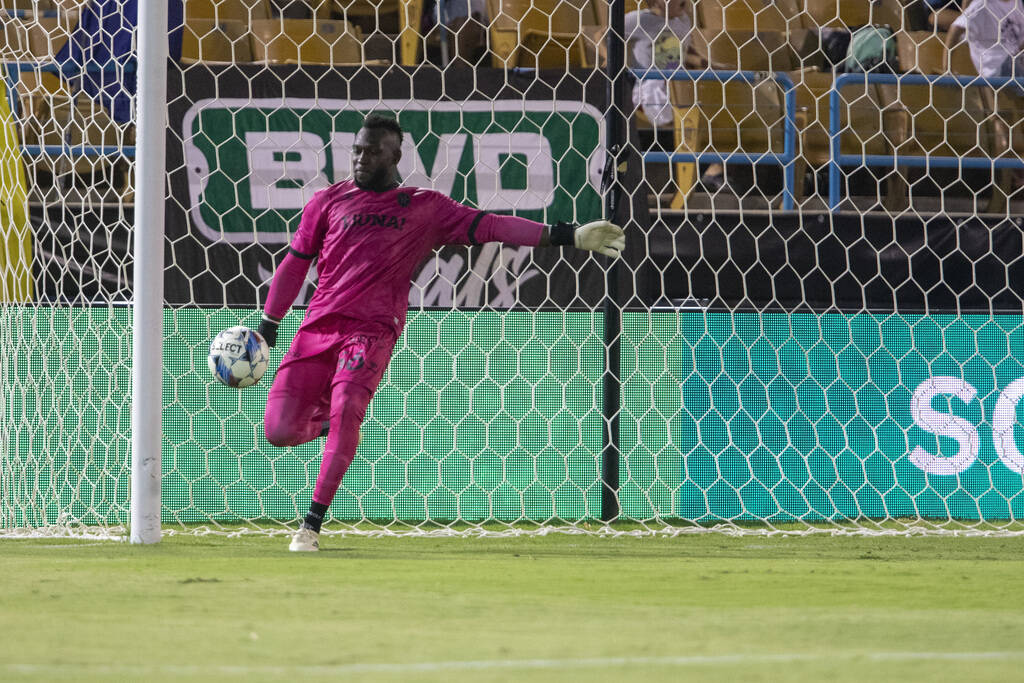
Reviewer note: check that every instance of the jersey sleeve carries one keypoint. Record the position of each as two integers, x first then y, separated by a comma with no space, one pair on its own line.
461,224
457,223
309,237
304,247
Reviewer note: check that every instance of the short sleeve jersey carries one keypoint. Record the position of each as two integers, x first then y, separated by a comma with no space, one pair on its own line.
368,243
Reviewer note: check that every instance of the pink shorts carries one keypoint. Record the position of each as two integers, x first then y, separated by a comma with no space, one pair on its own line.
355,351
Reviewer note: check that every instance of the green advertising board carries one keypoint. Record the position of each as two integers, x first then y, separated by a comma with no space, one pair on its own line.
759,417
806,416
252,164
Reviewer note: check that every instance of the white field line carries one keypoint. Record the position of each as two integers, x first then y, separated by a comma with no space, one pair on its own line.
495,664
119,534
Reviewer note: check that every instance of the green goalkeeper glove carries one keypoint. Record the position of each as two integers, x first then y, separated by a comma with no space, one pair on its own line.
603,237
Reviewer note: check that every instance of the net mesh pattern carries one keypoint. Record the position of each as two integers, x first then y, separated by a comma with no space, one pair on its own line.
817,316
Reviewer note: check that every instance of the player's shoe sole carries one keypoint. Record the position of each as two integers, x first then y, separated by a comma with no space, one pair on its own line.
305,540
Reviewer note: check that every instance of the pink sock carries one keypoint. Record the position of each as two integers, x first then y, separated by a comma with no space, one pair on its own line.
348,408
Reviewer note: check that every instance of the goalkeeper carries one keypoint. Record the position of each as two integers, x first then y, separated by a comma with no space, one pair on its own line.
367,235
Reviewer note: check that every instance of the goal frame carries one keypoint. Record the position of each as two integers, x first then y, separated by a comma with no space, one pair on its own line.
148,290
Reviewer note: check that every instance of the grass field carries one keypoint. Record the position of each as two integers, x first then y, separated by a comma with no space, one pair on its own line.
553,608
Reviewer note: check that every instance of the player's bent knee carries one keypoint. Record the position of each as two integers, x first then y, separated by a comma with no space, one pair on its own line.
281,433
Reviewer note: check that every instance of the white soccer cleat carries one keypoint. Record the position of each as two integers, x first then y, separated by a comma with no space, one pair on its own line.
305,540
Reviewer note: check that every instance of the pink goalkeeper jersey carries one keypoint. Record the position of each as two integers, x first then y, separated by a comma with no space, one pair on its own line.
367,245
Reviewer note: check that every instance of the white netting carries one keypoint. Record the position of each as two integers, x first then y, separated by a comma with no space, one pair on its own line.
819,303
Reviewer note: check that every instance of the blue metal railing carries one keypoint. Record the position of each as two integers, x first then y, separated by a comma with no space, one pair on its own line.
13,75
788,157
839,159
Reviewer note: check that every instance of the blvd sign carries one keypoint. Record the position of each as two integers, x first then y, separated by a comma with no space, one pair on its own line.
253,164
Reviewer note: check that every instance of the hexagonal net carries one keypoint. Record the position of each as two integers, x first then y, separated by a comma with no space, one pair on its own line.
815,322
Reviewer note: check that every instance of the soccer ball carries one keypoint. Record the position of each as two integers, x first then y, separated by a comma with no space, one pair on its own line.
238,356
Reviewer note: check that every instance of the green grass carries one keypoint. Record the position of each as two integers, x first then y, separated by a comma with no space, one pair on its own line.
554,608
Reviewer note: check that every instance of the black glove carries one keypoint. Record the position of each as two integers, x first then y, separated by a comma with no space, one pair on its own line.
268,330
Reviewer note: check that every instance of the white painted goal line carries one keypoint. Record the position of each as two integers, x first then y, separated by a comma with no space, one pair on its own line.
500,664
120,533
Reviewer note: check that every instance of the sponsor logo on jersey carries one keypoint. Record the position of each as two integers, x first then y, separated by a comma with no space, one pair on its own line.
382,220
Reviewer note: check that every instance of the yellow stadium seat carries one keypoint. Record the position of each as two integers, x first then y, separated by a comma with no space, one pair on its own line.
741,15
209,41
34,38
542,34
27,5
853,13
863,118
923,52
301,9
727,118
305,41
371,15
746,50
227,10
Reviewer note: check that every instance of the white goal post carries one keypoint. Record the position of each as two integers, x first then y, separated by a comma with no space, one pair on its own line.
148,307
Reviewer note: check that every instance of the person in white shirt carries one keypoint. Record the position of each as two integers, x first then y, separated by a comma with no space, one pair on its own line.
995,36
657,37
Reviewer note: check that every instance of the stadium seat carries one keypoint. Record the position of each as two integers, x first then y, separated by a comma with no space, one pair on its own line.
94,179
852,13
743,15
923,52
727,118
542,34
953,121
745,50
305,41
371,15
942,121
208,41
863,118
227,10
301,9
46,102
34,38
27,5
595,34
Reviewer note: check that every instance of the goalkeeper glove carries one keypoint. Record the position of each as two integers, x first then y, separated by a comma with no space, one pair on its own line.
604,237
268,329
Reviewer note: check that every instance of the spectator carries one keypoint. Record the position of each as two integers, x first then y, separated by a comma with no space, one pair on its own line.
465,25
657,36
995,36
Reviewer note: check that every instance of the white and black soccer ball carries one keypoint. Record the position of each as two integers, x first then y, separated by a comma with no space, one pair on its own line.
238,356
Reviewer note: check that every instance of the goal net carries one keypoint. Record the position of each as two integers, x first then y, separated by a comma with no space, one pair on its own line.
816,323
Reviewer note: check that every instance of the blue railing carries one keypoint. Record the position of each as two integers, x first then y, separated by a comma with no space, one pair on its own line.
839,159
836,158
788,157
13,75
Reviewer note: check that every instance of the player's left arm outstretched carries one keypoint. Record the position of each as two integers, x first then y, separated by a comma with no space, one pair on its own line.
464,225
